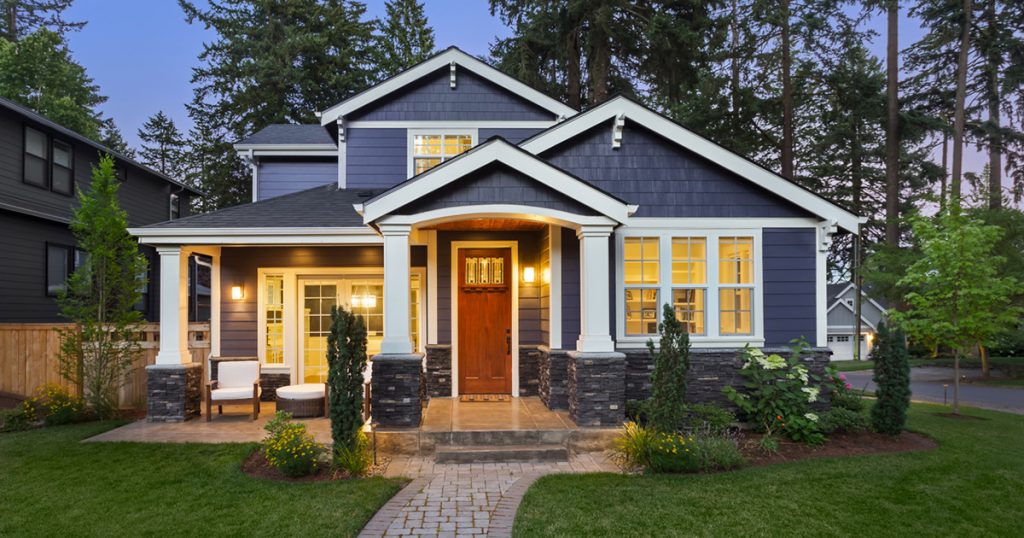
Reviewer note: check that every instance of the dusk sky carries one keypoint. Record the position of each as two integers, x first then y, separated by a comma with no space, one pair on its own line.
141,52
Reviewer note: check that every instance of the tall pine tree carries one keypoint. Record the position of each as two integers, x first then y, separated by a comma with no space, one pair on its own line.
23,17
163,147
403,38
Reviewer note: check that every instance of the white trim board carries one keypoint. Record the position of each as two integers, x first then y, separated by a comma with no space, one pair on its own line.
454,124
481,156
453,273
256,236
665,127
445,59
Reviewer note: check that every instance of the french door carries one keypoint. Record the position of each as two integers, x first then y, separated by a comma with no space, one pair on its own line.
364,297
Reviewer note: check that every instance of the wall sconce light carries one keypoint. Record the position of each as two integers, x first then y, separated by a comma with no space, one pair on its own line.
237,293
528,274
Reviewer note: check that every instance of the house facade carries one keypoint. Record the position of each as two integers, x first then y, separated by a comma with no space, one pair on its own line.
842,321
41,164
496,241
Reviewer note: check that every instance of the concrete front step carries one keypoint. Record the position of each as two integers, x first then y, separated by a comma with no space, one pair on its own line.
501,453
414,441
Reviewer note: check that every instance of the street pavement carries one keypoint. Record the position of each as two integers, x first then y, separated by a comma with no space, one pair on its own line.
926,384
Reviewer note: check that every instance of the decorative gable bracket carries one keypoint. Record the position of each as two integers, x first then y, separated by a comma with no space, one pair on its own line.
341,131
620,122
825,232
451,74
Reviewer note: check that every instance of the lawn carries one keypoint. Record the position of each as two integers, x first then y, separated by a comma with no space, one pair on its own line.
52,485
970,486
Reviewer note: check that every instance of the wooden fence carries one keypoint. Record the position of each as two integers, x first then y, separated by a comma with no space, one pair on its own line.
28,358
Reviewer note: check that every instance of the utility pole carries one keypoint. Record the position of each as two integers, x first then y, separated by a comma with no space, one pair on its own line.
857,283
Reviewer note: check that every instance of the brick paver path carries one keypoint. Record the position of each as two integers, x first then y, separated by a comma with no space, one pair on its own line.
464,499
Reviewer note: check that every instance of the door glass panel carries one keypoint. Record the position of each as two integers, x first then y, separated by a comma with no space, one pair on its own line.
485,270
367,302
319,298
275,319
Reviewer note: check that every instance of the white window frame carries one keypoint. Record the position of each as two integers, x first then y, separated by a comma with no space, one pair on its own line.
712,336
411,135
702,287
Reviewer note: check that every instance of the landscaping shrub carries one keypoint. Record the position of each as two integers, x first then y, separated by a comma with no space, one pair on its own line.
709,418
892,377
54,405
778,393
718,452
15,420
667,407
346,359
842,420
655,451
841,392
290,448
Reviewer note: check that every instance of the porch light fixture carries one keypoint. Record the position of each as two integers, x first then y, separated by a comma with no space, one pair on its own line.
528,274
237,293
364,301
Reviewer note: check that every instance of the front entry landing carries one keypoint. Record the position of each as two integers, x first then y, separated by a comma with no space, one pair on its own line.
485,321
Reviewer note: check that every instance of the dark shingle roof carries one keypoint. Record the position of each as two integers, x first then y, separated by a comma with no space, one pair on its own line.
288,133
326,206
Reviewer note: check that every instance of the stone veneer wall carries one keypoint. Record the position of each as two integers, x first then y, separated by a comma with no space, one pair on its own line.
710,370
438,377
597,388
395,396
529,370
553,377
269,381
173,392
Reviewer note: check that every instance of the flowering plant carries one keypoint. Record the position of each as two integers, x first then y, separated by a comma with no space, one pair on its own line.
777,393
842,394
290,448
54,405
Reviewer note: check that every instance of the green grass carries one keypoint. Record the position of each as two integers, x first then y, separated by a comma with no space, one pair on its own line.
1015,363
969,486
52,485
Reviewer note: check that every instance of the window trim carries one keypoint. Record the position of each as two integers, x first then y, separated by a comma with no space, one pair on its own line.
712,336
25,156
53,165
642,285
411,134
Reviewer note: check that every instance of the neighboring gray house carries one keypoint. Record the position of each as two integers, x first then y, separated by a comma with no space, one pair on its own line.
497,241
842,318
41,163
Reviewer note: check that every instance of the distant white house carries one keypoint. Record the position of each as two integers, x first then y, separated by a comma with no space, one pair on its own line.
841,321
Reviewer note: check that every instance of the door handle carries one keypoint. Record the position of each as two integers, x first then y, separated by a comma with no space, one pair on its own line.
508,341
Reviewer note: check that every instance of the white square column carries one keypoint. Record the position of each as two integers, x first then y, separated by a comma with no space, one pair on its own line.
396,289
595,302
173,306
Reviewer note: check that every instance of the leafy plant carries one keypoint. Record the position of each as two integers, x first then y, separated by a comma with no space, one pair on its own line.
290,448
667,407
839,419
841,393
717,452
710,418
892,377
768,444
15,420
636,410
777,394
346,359
656,451
54,405
355,461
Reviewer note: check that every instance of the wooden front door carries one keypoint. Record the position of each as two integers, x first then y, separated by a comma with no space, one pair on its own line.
485,321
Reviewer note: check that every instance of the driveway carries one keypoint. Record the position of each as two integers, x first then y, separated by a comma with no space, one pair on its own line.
926,385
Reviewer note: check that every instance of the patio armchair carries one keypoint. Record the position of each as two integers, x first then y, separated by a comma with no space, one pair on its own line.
237,382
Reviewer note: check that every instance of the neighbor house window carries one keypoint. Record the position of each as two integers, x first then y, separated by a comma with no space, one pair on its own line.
48,163
175,206
736,285
62,175
641,271
689,281
37,158
273,307
432,149
61,262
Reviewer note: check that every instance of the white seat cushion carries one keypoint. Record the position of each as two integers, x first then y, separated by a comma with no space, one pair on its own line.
233,374
233,393
306,391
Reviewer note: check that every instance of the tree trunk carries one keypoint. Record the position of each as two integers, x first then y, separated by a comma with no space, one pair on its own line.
734,62
959,119
11,12
787,95
573,74
956,382
943,183
892,135
599,59
983,357
995,146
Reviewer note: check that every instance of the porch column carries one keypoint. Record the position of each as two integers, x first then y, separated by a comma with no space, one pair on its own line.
396,289
594,300
173,306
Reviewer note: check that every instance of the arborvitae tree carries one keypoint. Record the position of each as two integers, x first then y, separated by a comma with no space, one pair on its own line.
97,352
667,407
19,18
346,360
39,73
163,147
110,136
892,377
404,38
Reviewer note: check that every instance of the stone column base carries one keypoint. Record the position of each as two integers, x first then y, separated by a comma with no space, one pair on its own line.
597,388
173,392
395,397
554,377
439,371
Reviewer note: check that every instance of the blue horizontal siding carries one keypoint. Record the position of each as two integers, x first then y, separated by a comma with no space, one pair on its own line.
665,179
433,99
376,158
790,285
279,178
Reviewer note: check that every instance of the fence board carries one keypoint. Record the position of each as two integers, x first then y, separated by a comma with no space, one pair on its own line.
28,358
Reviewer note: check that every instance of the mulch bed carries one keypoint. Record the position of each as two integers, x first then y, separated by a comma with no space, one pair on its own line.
837,445
256,466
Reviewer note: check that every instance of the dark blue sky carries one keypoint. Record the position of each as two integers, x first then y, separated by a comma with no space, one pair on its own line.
141,52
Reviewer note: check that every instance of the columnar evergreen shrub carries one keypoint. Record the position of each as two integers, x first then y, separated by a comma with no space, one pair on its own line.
667,407
346,359
892,376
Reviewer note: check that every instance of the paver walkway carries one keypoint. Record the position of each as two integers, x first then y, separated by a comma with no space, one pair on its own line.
465,499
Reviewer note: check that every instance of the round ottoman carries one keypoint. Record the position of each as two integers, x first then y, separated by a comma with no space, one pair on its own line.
302,401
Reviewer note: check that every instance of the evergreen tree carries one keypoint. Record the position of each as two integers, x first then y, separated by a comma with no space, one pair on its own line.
163,147
110,136
39,73
892,377
97,352
23,17
403,39
346,360
667,407
213,165
273,61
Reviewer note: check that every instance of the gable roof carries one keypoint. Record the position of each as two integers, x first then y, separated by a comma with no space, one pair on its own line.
64,131
838,290
733,162
495,150
289,134
429,66
863,318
